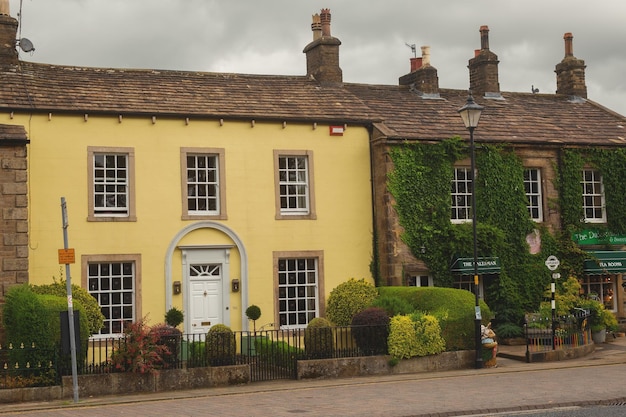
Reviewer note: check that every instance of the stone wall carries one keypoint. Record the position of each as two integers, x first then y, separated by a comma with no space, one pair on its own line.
13,209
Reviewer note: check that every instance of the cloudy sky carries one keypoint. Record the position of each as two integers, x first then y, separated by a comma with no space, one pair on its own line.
268,36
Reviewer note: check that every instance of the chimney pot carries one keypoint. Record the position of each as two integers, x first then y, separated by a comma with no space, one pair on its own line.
325,22
569,47
4,8
416,63
425,56
316,26
484,37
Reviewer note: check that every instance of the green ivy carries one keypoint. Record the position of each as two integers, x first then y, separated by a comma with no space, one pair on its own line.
420,184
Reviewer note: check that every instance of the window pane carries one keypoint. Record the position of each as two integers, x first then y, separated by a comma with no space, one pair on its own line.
112,284
297,291
203,184
593,196
293,184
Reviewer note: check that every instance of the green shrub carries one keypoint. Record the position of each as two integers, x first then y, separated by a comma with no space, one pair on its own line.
508,330
23,320
402,337
393,305
278,353
428,330
347,299
370,329
455,309
92,313
220,345
34,319
196,354
139,350
174,317
415,335
318,339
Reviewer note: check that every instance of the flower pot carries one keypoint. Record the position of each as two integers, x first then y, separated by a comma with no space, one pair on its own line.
598,336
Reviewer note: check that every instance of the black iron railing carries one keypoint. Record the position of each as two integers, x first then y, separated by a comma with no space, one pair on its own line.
570,331
271,354
27,365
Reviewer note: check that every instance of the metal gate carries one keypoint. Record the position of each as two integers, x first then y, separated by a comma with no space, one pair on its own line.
271,354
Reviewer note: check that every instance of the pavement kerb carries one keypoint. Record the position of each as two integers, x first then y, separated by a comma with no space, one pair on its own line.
604,355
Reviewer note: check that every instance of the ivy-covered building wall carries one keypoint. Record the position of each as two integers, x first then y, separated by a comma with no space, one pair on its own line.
421,240
558,150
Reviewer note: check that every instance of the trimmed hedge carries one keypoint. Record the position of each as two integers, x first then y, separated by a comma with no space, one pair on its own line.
349,298
34,319
453,307
91,314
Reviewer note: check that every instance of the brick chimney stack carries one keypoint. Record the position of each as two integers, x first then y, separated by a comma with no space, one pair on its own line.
570,72
423,75
483,68
8,35
322,55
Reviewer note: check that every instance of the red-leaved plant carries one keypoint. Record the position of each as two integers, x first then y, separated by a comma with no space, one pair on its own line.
139,350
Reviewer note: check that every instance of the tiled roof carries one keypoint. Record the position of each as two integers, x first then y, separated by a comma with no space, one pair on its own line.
95,90
515,118
398,111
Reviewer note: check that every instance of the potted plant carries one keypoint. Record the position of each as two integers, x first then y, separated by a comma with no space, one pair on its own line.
253,313
600,320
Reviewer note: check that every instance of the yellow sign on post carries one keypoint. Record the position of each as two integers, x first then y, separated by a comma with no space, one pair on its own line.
67,256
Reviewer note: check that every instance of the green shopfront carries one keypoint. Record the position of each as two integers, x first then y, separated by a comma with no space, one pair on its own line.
463,269
604,269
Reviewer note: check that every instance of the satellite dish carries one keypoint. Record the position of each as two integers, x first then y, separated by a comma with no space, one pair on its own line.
26,45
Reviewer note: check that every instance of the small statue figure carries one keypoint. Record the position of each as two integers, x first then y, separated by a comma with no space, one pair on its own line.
490,346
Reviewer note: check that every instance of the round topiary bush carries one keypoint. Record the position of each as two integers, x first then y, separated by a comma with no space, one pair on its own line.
318,339
174,317
253,313
370,329
220,345
347,299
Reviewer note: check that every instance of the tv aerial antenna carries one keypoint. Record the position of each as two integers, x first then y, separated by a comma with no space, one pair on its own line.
413,49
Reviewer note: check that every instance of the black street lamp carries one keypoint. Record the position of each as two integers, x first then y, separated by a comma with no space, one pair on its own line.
470,113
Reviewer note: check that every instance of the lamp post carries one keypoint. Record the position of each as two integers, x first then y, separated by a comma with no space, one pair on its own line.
470,113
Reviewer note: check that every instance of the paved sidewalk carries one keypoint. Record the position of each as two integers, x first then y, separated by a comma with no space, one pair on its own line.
513,385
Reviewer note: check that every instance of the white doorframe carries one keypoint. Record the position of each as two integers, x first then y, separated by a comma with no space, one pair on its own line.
243,256
207,255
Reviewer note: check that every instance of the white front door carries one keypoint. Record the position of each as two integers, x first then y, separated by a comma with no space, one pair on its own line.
206,288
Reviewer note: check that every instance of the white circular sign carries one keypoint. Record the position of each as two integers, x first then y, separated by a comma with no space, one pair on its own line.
552,262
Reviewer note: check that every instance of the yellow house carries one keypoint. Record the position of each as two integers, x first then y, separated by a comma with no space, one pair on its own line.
202,191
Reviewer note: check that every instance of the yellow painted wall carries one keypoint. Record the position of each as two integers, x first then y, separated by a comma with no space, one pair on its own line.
58,167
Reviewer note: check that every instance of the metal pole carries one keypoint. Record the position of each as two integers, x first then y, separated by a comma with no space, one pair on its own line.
70,304
553,305
478,317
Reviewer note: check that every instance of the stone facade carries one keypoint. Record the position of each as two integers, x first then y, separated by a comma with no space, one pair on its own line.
14,208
